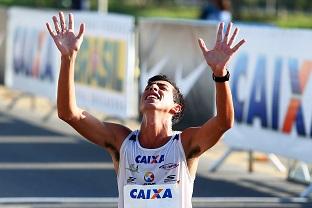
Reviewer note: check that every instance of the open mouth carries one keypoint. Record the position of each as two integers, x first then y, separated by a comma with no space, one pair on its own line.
152,96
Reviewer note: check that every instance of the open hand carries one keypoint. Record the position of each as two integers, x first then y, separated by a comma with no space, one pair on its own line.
218,57
65,39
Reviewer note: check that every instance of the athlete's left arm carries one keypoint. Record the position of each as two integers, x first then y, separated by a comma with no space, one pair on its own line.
197,140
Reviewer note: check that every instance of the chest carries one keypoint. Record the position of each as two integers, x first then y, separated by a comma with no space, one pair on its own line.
153,166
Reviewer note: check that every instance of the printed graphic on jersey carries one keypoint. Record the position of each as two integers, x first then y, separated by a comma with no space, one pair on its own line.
169,166
151,159
151,193
149,177
170,178
131,180
133,168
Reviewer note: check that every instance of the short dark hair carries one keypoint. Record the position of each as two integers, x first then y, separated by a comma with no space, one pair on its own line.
177,95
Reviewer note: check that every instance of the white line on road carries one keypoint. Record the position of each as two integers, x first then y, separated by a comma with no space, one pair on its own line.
37,139
113,200
56,166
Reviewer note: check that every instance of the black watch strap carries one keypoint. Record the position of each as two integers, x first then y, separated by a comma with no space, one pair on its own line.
221,79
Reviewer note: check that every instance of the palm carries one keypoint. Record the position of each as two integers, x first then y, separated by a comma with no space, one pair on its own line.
67,43
65,39
218,57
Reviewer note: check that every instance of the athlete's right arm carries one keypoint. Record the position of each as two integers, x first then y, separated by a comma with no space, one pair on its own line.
107,135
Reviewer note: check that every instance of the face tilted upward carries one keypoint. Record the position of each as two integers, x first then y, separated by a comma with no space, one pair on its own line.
158,95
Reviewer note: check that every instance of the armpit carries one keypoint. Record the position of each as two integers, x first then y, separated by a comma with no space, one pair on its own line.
111,148
194,152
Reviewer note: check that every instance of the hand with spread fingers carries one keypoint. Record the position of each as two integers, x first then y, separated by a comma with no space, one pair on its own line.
64,37
218,57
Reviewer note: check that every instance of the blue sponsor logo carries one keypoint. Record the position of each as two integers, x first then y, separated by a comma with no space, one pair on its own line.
150,159
151,193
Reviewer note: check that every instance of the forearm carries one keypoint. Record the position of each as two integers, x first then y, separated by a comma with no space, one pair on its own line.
66,98
224,105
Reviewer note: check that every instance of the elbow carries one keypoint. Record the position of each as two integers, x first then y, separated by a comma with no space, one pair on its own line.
226,124
67,117
68,114
62,116
229,124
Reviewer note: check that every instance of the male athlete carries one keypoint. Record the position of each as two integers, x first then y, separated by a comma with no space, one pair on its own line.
155,166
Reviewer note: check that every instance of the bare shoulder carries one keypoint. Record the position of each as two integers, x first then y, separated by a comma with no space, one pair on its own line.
120,132
188,133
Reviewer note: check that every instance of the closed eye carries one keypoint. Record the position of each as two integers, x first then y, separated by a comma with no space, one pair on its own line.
163,87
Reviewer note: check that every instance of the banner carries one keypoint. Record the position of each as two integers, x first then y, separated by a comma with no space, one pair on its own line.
31,57
104,70
272,86
170,47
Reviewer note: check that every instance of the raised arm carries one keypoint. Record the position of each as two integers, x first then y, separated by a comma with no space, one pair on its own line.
107,135
198,139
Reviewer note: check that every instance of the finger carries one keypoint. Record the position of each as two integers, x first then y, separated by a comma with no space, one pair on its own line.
202,45
233,37
228,30
220,33
50,30
70,21
81,31
56,24
62,21
238,45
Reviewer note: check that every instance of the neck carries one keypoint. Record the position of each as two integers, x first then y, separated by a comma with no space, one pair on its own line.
155,130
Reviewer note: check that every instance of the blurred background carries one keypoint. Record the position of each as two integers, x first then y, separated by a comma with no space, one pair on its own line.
283,13
264,161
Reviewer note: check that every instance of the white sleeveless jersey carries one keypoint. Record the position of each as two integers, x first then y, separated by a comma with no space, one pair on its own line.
153,178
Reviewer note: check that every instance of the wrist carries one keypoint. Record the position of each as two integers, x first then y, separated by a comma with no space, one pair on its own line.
69,57
223,78
220,72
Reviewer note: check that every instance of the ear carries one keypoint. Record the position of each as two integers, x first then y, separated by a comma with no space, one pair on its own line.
176,109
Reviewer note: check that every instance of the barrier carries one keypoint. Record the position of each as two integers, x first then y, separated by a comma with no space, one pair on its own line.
270,83
170,46
104,71
271,89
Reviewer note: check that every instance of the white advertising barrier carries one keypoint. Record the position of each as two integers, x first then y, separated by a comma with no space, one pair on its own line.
272,86
104,71
31,57
170,46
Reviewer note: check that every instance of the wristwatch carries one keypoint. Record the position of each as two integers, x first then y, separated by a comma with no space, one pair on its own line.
221,79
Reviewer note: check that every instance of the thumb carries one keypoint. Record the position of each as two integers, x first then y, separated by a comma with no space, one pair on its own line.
202,45
81,31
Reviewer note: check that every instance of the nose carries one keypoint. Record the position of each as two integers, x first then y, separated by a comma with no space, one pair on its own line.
153,87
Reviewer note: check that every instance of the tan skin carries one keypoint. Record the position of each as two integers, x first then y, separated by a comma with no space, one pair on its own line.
156,104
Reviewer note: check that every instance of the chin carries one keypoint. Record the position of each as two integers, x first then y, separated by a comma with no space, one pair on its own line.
148,106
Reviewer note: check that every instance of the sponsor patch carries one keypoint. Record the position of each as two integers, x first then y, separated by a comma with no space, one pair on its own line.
169,166
133,168
149,178
151,159
131,180
151,193
170,178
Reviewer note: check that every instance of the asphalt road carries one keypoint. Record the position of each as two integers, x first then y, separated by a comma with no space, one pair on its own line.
39,161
